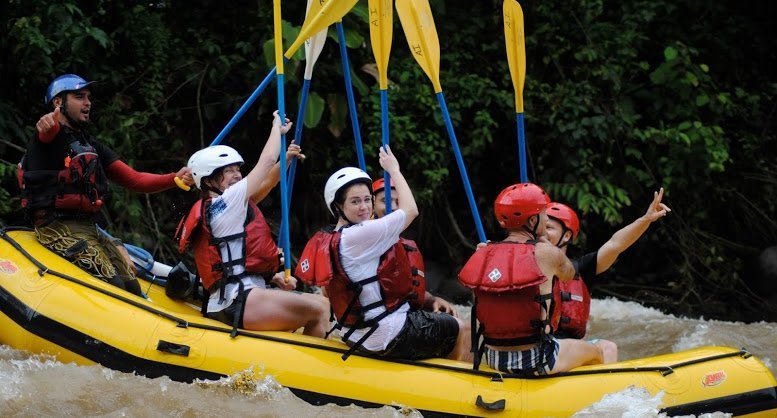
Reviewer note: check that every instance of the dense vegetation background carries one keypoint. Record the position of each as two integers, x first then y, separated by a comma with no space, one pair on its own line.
621,98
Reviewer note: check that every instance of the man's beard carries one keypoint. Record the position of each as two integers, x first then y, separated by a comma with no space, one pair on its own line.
75,122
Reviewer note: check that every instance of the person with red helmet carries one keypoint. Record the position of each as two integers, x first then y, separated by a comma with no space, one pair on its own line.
562,229
64,176
426,300
516,295
370,297
234,249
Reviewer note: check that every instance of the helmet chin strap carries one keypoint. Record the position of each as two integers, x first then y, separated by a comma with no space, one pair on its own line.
533,231
560,244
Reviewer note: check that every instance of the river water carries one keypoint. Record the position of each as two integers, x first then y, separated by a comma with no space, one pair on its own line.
32,385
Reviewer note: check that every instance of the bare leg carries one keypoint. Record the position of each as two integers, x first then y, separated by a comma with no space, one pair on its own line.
462,350
609,351
573,353
277,310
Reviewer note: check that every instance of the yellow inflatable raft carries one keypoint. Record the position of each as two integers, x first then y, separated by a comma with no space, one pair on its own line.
48,305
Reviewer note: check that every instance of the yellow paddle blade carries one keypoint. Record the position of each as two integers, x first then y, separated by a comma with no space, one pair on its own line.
381,32
418,24
322,14
516,48
314,44
276,4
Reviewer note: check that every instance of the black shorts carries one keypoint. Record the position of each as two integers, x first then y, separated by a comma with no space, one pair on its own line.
237,307
424,335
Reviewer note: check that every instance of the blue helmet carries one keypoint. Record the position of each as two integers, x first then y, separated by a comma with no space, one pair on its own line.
65,82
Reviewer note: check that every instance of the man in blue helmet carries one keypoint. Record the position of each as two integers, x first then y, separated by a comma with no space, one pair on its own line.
64,180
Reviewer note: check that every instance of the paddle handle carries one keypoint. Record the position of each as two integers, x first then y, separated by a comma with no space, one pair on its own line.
298,140
298,132
279,61
284,237
244,108
384,134
521,147
462,168
357,136
181,185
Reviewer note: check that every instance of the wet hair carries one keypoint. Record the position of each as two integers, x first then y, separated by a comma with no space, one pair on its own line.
216,176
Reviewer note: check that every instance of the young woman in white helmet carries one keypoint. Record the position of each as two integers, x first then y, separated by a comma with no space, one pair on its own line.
234,248
370,300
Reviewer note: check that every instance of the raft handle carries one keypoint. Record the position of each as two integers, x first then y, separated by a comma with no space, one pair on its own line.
173,348
667,371
490,406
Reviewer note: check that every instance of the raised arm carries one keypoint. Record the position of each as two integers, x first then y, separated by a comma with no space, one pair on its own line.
629,234
405,196
268,157
294,151
552,261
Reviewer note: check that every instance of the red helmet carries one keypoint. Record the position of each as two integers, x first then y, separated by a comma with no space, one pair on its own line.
378,185
519,202
565,215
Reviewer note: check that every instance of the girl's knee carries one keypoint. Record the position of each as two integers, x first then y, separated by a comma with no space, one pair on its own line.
609,351
322,303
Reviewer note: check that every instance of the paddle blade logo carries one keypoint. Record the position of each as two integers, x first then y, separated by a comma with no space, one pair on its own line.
8,267
714,378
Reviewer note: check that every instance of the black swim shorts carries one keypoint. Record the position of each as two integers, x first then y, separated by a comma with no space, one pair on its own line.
424,335
227,315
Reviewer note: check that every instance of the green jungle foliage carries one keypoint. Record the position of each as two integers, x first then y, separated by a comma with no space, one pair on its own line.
621,98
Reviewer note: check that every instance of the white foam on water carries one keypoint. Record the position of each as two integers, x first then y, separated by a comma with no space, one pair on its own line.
635,402
632,402
614,309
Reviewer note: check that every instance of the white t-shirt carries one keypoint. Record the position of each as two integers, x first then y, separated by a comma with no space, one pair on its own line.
227,214
361,246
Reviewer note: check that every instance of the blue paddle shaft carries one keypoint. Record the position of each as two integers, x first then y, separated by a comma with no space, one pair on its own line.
240,112
521,147
303,101
357,137
384,133
298,140
284,234
460,162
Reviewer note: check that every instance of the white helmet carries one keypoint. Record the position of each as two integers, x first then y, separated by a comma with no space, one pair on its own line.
341,178
207,160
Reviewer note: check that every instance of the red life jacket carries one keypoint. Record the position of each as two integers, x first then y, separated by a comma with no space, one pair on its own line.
79,187
506,280
416,260
259,256
575,307
320,265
